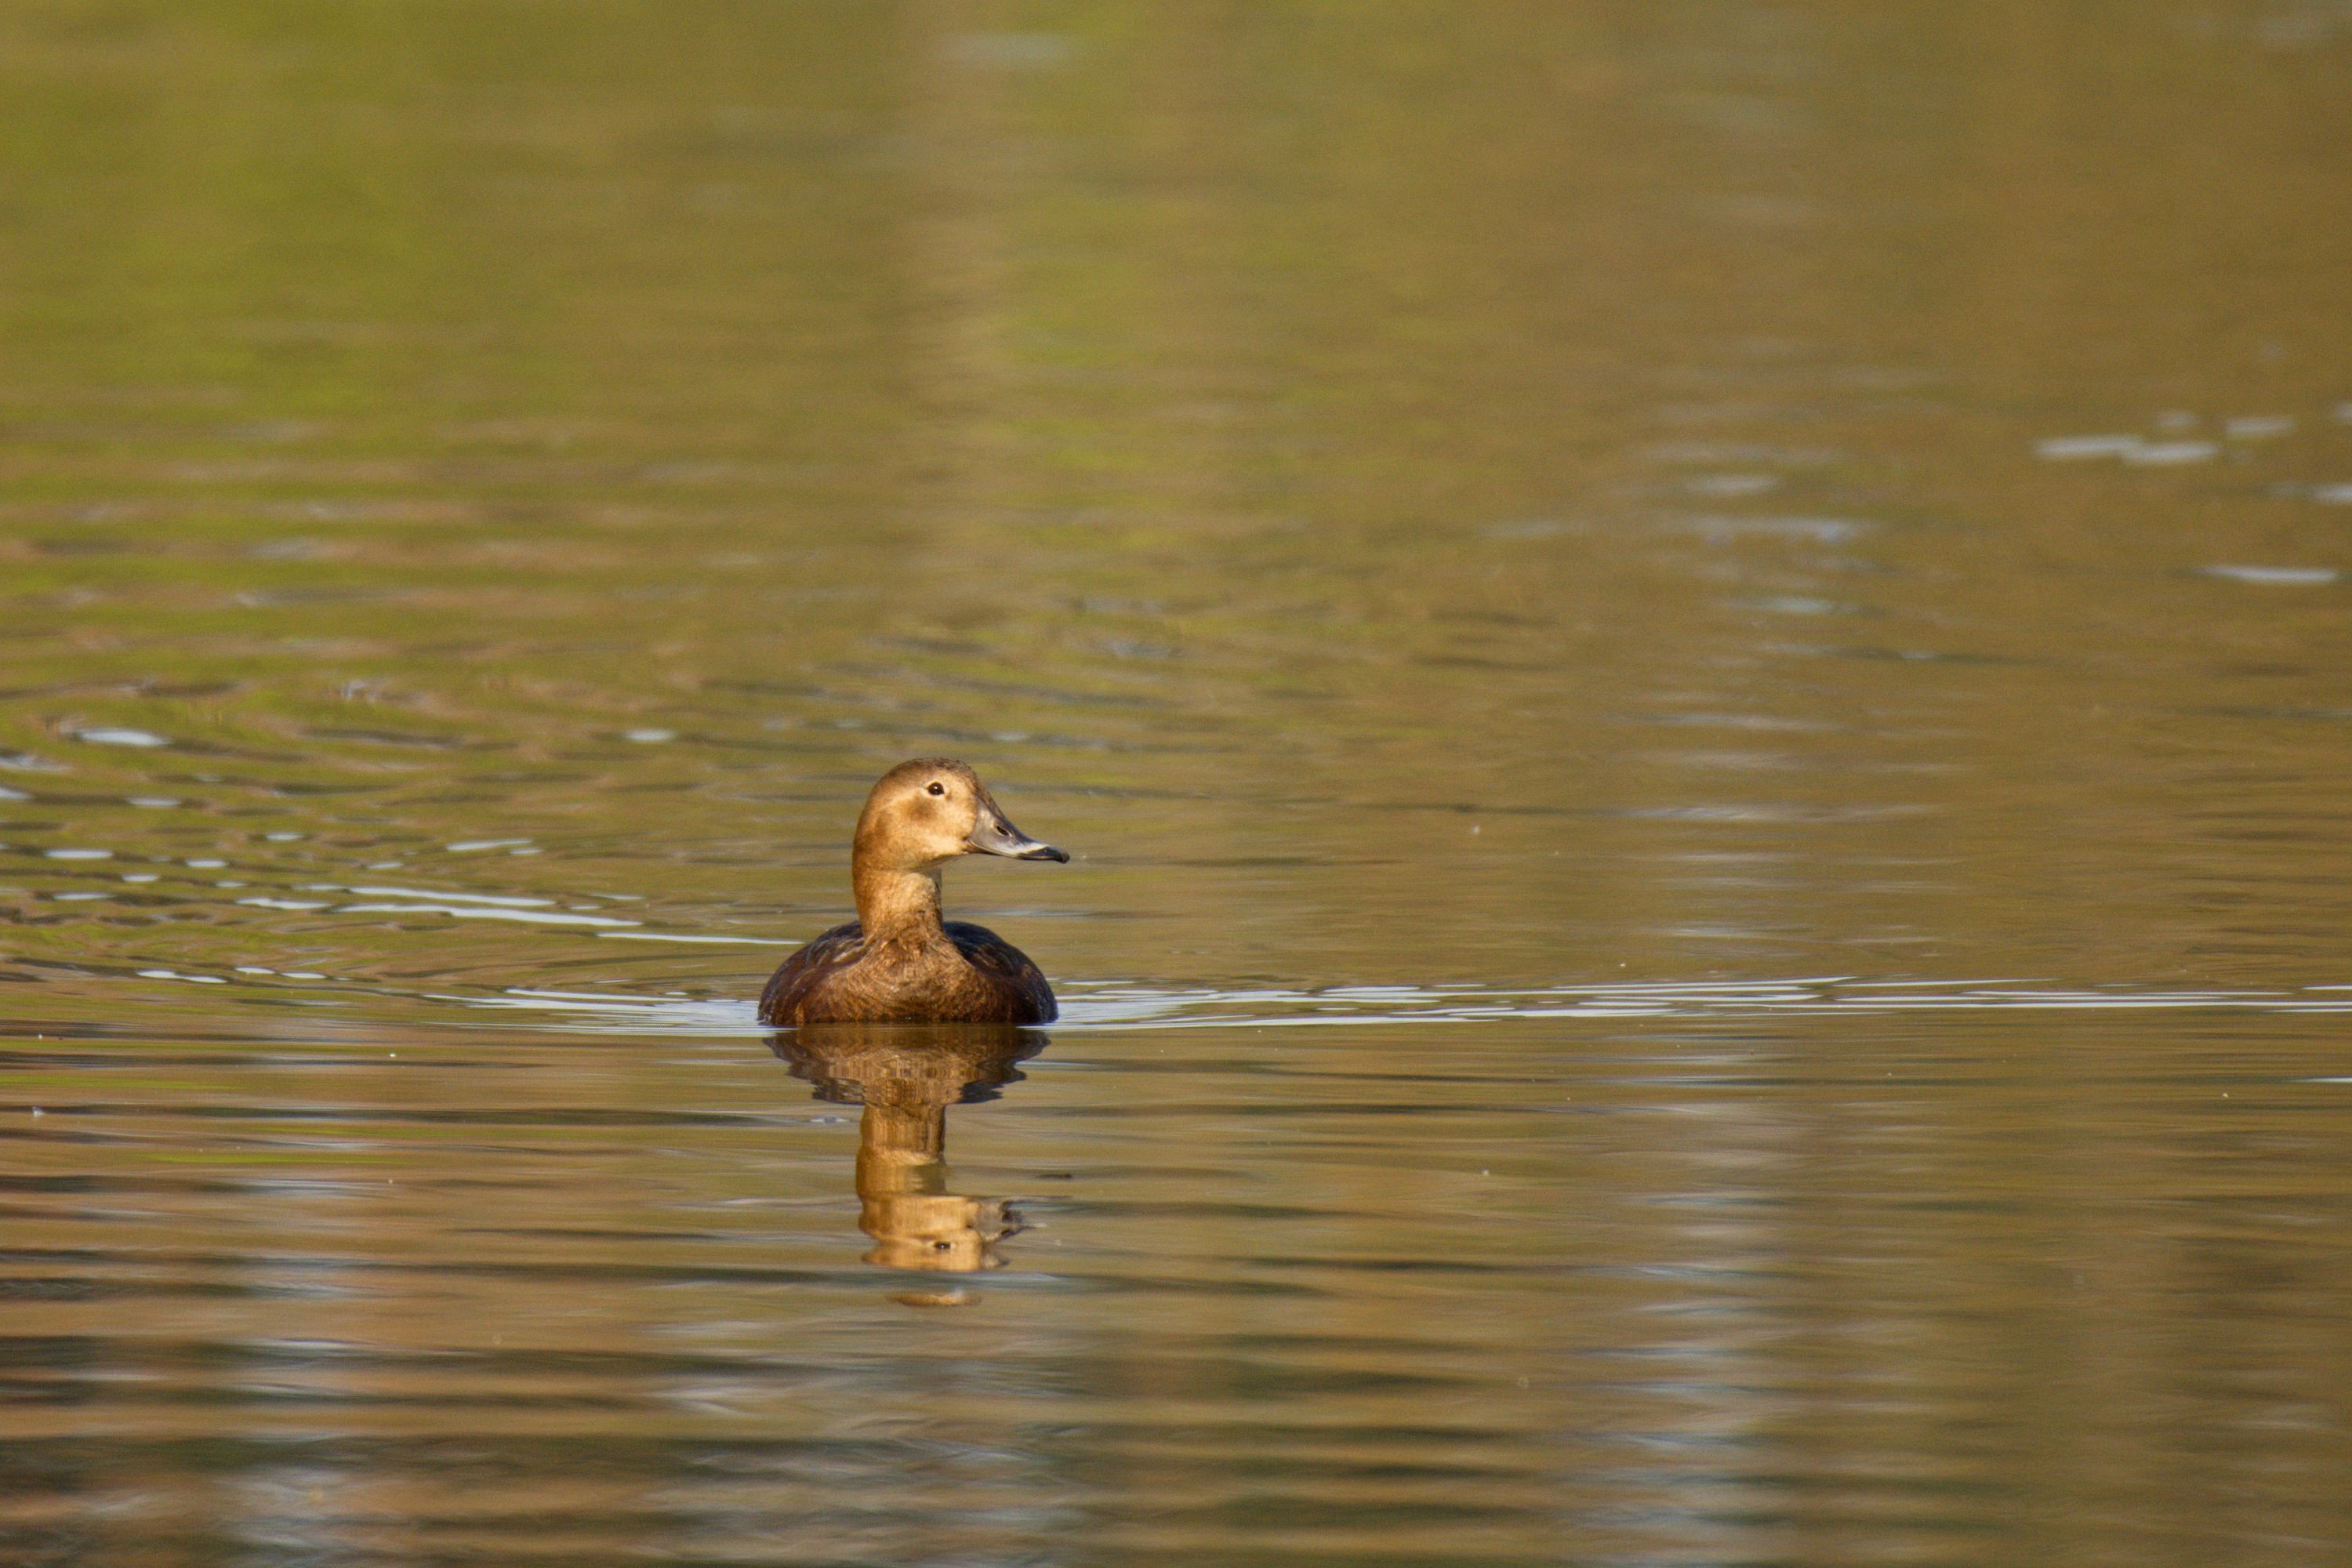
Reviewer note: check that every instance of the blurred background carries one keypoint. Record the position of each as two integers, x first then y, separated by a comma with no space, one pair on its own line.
1776,568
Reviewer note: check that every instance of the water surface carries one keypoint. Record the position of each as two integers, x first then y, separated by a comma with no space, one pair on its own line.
1696,655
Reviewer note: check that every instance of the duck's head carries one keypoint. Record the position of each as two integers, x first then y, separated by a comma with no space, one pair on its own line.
933,809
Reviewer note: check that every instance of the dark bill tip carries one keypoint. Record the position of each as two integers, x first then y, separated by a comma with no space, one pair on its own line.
995,836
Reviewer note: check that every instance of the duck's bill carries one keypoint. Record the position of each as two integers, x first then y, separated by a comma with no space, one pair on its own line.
995,836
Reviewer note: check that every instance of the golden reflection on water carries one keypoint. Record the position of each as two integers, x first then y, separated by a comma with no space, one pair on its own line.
905,1075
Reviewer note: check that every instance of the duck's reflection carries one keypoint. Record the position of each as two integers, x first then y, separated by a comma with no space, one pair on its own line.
906,1076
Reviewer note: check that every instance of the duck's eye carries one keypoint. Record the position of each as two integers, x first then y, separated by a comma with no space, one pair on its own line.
938,788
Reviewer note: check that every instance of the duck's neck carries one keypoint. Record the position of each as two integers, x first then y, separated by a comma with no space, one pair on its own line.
897,906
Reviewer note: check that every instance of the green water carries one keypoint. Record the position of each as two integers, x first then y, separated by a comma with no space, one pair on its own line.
1698,657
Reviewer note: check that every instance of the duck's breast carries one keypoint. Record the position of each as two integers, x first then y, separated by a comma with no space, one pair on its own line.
976,977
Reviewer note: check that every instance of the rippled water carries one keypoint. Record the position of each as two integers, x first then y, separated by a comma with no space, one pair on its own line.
1746,607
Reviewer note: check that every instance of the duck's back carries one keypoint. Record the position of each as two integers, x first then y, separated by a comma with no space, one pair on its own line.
1017,984
807,972
979,978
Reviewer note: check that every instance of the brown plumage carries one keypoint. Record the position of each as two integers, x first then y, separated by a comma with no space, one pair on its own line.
898,962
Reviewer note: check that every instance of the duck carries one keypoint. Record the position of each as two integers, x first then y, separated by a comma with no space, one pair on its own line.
898,962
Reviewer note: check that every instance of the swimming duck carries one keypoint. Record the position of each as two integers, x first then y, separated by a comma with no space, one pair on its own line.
898,962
